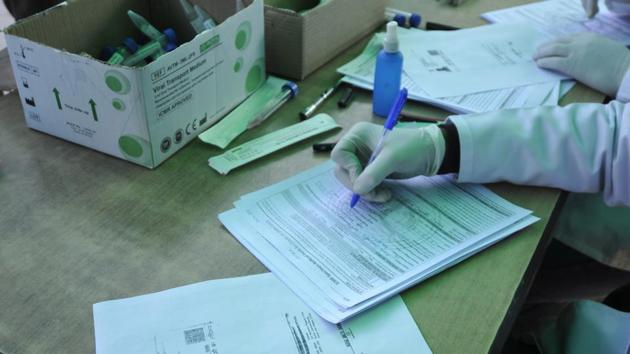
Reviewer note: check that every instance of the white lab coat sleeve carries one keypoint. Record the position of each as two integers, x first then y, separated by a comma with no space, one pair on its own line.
623,94
580,148
619,7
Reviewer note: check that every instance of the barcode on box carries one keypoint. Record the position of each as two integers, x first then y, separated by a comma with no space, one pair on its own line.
193,336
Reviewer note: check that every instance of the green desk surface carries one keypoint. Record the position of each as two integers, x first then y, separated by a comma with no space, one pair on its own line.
78,227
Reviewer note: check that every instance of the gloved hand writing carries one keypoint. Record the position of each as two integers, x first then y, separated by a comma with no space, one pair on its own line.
596,61
406,153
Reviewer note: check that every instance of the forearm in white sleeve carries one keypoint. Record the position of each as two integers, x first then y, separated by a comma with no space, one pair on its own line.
619,7
580,148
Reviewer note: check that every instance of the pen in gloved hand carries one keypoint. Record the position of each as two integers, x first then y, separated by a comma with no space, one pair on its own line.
391,121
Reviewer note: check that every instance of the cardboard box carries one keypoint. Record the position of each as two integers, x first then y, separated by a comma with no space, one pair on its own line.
140,114
297,44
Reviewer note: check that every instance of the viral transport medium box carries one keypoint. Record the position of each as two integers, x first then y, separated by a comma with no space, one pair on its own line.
140,114
297,43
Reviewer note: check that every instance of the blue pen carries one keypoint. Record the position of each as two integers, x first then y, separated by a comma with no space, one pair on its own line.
391,121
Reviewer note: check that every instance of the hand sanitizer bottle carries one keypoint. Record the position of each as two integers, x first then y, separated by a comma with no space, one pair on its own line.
388,73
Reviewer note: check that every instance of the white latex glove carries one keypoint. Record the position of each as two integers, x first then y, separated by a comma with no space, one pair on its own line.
406,153
596,61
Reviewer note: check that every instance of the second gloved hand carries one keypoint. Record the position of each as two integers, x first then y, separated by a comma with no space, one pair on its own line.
596,61
406,153
619,7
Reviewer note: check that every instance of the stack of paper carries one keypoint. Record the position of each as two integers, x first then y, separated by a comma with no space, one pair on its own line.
467,71
557,18
341,261
254,314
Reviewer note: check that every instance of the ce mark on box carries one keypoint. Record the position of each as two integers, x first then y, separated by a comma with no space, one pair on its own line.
190,129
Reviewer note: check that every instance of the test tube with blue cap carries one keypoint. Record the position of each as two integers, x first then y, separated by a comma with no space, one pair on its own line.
403,18
117,55
160,42
114,55
288,91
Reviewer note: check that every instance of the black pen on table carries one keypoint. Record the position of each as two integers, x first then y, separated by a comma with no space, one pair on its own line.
434,26
414,117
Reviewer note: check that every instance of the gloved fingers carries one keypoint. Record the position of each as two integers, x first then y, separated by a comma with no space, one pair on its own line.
554,63
552,49
374,174
345,156
378,195
343,177
590,7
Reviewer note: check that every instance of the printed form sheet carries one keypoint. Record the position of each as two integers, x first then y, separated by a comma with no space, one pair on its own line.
453,63
558,18
360,73
249,315
342,260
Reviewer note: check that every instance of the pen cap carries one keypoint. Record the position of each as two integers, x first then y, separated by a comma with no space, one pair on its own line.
390,45
392,118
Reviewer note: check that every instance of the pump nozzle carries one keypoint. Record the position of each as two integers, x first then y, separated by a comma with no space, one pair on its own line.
390,44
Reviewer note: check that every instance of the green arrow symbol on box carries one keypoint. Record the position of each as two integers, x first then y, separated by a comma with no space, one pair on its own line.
56,92
93,105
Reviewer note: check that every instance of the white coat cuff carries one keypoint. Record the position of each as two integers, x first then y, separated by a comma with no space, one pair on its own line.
623,94
466,146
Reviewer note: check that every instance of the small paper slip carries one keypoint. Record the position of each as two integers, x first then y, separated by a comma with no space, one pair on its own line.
269,143
342,261
248,315
235,123
557,18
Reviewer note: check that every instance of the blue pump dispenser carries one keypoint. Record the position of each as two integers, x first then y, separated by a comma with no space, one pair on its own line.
388,73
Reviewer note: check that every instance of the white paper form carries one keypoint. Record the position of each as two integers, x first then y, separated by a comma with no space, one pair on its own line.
253,314
454,63
341,260
558,18
360,73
